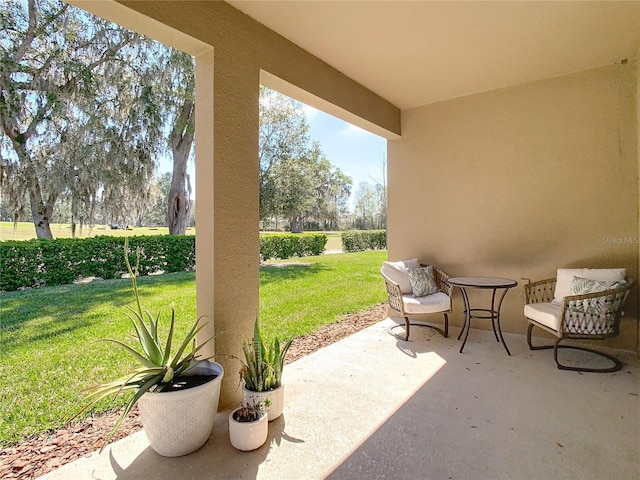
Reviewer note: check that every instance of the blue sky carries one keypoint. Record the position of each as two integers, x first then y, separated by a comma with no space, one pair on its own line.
356,152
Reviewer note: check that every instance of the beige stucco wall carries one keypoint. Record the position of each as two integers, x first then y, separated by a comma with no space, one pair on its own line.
520,181
232,52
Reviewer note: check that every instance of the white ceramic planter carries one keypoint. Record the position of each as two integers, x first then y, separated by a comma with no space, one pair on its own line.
247,436
178,423
276,397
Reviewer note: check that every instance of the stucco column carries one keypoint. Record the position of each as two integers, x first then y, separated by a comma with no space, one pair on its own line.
227,196
637,340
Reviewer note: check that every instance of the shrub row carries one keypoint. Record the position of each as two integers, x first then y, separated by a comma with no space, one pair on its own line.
364,240
35,263
275,245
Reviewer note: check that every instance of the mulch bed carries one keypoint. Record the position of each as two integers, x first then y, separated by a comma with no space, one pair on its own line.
38,455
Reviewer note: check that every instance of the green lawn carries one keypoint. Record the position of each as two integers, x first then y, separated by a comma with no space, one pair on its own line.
26,231
334,240
47,349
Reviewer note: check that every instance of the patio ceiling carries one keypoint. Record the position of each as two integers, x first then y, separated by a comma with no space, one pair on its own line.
416,53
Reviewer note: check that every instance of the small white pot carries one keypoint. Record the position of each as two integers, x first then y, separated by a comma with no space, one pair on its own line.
180,422
247,436
276,396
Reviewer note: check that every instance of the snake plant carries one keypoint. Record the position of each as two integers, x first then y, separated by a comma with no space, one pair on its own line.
263,365
158,363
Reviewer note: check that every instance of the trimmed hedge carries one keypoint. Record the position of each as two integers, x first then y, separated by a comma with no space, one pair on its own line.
36,263
364,240
273,245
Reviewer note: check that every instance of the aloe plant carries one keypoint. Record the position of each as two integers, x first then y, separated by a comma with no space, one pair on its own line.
263,365
158,365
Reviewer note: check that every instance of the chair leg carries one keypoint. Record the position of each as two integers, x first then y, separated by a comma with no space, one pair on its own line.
617,364
406,329
446,325
531,346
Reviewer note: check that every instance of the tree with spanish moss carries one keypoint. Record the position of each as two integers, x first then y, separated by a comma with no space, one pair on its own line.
78,112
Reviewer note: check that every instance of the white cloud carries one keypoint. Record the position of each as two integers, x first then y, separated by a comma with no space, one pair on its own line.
352,130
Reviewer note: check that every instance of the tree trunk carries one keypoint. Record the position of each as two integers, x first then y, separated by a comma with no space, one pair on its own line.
74,214
41,213
296,225
181,140
179,200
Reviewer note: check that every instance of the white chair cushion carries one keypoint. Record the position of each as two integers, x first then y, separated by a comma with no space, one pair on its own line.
565,276
397,272
438,302
547,314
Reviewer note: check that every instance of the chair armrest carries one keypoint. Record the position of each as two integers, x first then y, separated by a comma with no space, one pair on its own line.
441,281
394,294
541,291
597,313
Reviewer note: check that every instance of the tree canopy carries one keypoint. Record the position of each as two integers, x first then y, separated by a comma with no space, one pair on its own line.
297,181
78,111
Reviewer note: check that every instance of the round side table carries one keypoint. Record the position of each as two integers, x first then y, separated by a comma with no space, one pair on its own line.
487,283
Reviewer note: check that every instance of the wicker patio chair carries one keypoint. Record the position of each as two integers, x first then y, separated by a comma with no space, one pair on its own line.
408,306
590,316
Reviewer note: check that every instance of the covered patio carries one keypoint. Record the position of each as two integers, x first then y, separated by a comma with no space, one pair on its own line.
512,134
373,406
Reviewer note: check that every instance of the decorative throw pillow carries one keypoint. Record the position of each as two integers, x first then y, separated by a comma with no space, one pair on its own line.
422,281
592,306
581,286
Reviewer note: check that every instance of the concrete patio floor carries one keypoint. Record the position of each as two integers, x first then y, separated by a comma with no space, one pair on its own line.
375,407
